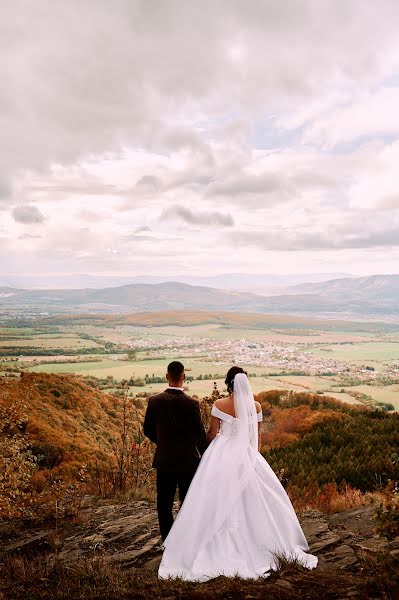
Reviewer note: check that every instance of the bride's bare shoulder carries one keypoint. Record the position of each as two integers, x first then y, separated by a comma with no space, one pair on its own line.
221,403
226,405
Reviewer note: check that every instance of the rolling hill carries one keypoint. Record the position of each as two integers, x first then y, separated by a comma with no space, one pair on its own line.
374,287
133,298
373,296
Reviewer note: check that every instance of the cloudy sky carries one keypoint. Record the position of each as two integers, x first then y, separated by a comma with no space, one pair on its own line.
177,136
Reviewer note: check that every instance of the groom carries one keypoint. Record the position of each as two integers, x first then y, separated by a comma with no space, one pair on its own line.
173,423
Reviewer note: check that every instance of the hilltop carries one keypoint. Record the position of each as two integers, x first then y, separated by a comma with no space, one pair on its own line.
332,458
113,551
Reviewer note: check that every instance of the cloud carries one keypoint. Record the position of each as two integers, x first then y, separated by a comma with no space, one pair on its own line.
267,183
283,115
5,190
197,218
27,214
267,189
30,236
89,216
389,202
288,240
130,72
373,114
150,183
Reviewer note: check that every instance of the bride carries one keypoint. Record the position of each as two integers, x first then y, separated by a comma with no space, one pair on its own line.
236,519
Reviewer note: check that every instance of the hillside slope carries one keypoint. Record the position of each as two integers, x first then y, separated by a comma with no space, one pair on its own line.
67,423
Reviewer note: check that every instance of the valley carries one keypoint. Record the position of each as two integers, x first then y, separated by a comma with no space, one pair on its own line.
357,362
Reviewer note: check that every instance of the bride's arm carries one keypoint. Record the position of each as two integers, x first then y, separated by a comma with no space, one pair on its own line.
213,429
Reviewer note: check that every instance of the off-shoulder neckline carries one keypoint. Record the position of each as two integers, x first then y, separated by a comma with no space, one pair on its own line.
228,415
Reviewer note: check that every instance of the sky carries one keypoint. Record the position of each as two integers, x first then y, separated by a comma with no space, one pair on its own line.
186,137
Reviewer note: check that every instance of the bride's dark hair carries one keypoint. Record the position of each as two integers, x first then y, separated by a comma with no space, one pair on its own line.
231,373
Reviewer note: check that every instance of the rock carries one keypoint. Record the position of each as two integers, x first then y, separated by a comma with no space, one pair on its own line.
340,558
328,539
318,533
314,528
127,535
358,521
94,539
29,543
373,545
128,558
284,584
152,564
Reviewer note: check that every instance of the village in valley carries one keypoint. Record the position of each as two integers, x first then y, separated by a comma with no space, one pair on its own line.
355,363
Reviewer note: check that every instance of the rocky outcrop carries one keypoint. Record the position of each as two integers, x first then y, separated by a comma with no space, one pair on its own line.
127,535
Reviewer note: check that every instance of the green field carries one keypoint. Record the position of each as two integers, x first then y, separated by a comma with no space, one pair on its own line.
360,353
158,341
124,369
381,394
50,342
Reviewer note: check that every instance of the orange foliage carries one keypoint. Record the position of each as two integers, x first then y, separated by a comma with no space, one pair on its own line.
328,499
67,423
287,425
316,417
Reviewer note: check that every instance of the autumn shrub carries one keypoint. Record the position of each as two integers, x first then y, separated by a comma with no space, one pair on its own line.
17,462
329,498
132,460
23,493
17,465
387,513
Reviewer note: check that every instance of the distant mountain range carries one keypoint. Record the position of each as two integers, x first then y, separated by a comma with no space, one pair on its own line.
255,283
136,297
374,287
372,295
376,295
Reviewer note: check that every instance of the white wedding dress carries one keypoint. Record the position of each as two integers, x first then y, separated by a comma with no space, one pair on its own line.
236,517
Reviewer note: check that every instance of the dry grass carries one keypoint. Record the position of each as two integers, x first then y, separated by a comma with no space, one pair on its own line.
44,579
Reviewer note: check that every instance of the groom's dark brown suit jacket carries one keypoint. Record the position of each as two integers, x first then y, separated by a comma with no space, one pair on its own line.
173,423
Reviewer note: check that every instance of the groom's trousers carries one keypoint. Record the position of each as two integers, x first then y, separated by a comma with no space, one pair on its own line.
167,484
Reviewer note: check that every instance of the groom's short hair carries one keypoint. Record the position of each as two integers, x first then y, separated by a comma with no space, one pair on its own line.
175,370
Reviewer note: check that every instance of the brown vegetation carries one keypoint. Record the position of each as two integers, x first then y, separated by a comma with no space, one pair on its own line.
227,319
59,438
